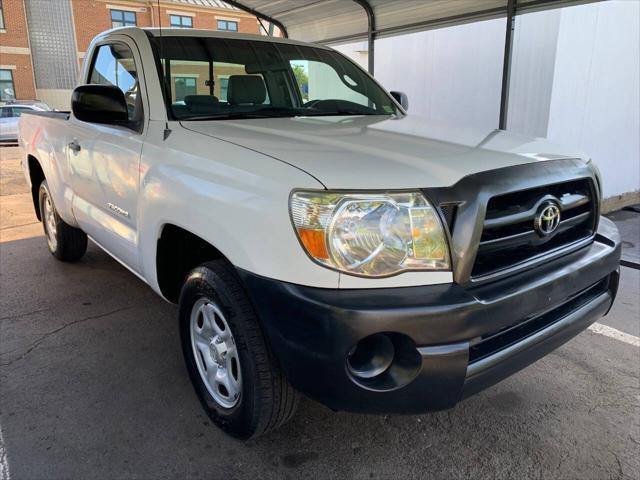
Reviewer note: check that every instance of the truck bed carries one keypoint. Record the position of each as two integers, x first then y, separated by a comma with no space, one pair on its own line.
32,125
57,114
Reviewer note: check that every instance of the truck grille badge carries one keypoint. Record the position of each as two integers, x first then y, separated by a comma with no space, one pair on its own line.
548,218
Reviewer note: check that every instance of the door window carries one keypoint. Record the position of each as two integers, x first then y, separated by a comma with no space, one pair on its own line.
189,79
113,64
201,87
221,73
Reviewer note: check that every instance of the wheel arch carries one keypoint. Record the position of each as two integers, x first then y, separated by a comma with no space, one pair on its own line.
178,251
36,176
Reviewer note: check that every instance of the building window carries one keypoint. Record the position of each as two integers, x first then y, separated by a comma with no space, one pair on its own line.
224,88
181,21
1,16
184,86
122,18
7,90
227,25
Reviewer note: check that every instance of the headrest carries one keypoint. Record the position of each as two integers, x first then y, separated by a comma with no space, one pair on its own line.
200,100
243,89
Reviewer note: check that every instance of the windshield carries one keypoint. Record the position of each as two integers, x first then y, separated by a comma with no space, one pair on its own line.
221,78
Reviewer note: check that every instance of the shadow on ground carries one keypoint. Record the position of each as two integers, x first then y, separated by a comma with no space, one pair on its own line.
93,386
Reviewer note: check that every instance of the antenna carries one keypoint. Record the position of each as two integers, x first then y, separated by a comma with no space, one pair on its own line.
167,130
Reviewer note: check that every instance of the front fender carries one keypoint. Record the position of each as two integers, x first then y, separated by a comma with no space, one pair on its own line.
231,197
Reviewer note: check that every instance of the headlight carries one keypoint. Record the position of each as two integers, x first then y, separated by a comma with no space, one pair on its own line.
372,235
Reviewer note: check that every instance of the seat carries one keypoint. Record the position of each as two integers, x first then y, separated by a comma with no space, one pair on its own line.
201,103
246,90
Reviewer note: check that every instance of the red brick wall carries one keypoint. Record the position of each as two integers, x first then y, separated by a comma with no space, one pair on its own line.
22,75
207,20
93,17
15,24
16,36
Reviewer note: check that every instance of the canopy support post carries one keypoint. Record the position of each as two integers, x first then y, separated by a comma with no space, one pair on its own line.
239,5
371,29
506,64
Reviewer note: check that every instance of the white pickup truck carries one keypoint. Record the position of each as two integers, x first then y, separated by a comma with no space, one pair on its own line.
318,238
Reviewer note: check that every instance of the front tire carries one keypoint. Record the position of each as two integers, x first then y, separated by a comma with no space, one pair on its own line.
66,243
233,371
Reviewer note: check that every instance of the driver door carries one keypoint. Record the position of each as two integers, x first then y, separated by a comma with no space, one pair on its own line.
105,159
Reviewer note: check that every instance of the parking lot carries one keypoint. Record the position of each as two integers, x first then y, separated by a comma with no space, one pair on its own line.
92,385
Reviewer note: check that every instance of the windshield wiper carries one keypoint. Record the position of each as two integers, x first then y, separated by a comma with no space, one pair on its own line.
336,113
274,114
238,116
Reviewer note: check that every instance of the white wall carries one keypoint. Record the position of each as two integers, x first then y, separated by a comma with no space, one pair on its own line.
450,75
575,79
532,70
596,90
356,51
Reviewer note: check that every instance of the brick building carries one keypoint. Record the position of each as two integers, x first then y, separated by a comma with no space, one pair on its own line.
43,42
16,68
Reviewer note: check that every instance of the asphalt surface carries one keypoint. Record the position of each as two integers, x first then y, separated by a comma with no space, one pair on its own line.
92,385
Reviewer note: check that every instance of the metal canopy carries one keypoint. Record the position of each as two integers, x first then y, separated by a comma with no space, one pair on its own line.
340,21
331,21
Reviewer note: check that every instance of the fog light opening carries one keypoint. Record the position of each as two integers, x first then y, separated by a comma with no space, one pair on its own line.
371,356
383,362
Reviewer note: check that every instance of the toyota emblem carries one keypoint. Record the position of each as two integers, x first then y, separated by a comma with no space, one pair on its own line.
547,219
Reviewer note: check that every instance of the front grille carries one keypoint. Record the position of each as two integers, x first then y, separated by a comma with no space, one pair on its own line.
493,342
509,236
448,211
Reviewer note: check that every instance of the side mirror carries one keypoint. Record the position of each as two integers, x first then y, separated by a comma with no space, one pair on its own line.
99,104
401,98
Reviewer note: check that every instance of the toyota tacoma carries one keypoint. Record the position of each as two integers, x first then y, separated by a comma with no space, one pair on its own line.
318,239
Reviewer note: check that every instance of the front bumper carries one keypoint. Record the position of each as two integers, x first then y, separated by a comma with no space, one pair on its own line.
464,339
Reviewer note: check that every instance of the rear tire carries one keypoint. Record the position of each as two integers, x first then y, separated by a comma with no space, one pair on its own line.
232,346
66,243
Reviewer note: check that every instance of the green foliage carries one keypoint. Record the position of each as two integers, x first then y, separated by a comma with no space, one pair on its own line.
303,80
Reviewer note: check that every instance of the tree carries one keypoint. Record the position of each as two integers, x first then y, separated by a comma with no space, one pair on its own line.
303,80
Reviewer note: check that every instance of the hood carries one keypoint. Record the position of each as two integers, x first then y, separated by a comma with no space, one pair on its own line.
379,152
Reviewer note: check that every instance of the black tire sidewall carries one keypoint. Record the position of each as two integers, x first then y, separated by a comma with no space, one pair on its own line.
71,242
239,420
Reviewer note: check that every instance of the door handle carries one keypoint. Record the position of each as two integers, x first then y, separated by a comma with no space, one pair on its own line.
75,146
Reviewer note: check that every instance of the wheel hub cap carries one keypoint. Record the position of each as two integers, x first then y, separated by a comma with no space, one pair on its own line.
50,222
218,350
215,352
